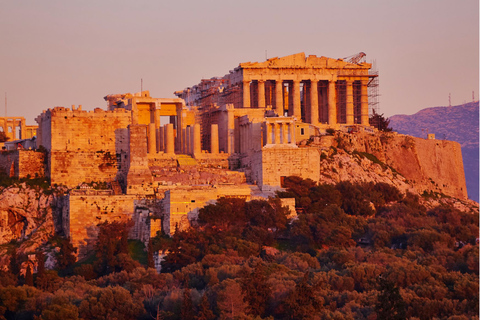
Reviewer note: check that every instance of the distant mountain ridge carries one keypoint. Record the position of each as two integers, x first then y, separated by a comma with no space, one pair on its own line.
457,123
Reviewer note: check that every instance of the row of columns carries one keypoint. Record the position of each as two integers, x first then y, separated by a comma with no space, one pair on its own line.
280,133
163,139
332,100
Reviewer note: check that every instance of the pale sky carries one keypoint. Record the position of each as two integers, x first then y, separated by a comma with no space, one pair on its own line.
59,53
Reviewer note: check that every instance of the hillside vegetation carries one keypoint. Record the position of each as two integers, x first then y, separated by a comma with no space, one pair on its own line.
355,251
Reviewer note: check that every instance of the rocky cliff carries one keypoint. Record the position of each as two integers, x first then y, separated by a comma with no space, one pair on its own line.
407,162
29,215
456,123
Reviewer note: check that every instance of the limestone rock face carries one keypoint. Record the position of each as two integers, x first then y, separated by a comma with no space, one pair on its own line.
26,213
407,162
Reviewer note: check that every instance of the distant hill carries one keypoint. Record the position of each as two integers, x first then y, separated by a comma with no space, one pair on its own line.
456,123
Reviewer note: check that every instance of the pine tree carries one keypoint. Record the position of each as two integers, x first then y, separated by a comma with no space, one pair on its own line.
29,276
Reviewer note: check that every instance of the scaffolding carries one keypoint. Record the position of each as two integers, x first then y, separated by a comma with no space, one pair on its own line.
373,92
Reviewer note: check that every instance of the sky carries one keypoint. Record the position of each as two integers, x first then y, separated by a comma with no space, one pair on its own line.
63,53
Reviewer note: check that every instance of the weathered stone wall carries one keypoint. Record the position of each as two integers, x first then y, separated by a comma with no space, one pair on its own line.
62,129
21,163
181,205
270,164
85,212
71,168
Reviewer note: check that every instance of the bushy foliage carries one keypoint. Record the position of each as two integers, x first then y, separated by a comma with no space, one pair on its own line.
355,251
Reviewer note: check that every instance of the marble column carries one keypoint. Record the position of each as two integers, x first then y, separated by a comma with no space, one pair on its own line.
314,102
364,103
261,94
350,118
332,103
152,142
279,97
268,130
277,133
170,144
297,111
246,94
197,140
214,139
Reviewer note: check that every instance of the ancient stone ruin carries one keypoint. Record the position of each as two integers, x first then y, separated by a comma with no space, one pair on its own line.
159,159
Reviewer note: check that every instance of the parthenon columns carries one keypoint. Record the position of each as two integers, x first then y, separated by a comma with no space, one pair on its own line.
332,103
297,111
364,103
246,94
261,94
314,102
279,97
350,118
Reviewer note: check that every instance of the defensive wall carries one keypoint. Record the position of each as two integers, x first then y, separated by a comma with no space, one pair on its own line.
22,163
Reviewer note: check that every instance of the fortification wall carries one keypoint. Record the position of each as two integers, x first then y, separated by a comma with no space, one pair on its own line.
181,206
22,163
62,129
273,163
83,214
71,168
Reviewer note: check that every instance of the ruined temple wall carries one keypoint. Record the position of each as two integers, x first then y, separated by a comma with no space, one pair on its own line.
85,212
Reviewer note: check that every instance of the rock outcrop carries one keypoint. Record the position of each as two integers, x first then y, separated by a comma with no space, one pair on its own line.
403,161
28,215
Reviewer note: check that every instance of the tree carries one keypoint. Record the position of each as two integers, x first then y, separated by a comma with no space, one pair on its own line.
3,136
66,257
110,303
187,312
390,304
150,260
112,247
256,290
300,303
205,312
380,122
29,276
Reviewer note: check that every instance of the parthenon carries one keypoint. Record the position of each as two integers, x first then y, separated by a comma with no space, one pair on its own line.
315,90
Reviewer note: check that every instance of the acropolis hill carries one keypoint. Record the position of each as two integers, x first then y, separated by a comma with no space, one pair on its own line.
234,136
